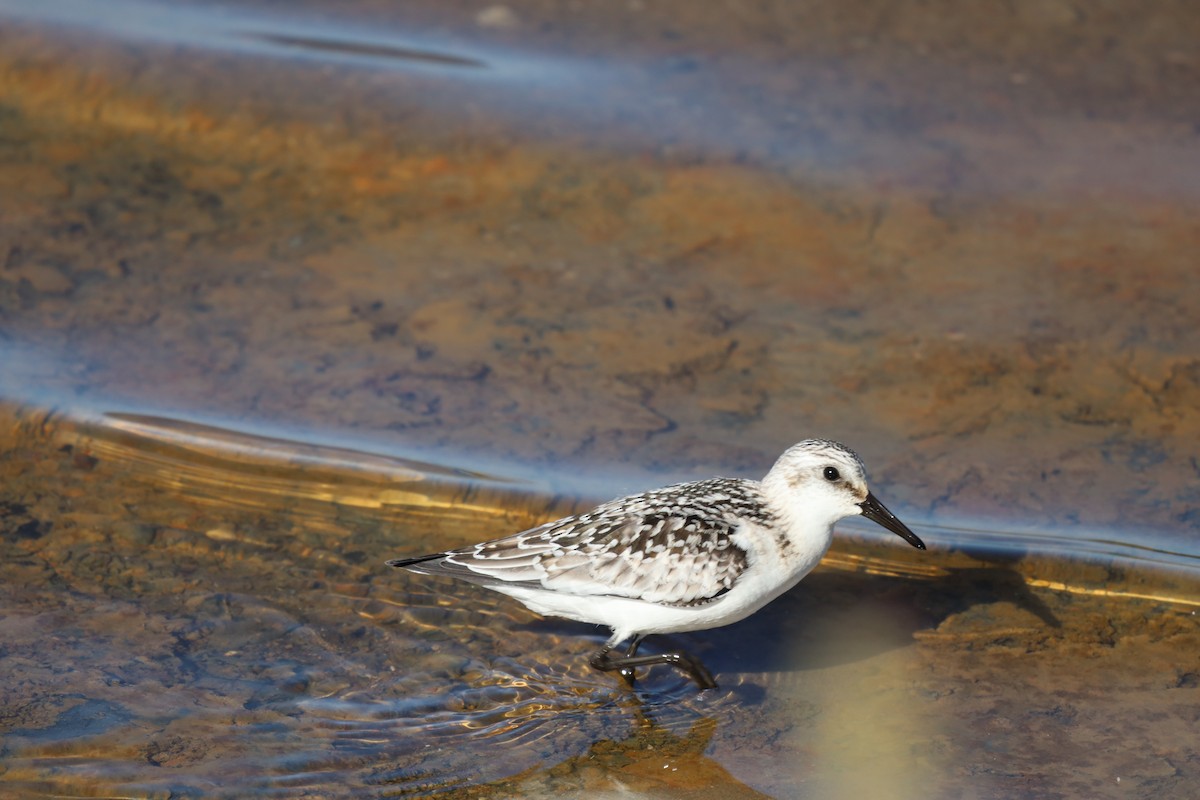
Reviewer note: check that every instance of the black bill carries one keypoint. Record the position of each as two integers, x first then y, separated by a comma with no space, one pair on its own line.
875,511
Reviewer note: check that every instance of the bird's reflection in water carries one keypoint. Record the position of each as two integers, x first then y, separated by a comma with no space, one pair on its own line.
656,759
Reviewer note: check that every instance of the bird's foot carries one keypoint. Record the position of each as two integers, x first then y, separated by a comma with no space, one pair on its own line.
604,661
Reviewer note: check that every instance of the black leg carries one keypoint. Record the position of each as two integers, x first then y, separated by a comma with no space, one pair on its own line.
604,661
628,673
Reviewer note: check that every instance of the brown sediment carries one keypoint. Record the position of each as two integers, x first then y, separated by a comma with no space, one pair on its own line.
965,249
695,313
206,587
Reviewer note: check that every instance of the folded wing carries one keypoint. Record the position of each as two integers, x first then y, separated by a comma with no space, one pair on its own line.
660,557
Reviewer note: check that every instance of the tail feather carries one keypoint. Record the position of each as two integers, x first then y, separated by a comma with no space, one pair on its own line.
408,562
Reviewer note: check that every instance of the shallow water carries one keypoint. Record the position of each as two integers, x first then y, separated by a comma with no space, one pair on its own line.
286,292
191,611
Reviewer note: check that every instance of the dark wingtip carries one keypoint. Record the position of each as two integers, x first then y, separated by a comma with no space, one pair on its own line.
407,562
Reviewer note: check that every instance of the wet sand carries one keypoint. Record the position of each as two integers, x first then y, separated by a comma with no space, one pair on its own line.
472,267
180,622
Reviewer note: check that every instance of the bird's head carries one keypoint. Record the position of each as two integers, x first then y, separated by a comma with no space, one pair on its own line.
828,478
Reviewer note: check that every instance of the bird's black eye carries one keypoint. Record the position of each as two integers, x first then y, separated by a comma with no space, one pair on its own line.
831,474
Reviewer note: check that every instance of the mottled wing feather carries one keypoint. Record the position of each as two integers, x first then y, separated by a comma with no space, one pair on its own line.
660,547
658,558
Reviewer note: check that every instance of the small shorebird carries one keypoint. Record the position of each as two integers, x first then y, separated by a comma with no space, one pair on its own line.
686,557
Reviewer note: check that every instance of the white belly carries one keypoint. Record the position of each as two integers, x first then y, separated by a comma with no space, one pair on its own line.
767,576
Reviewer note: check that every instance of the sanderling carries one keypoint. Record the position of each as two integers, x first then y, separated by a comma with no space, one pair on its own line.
686,557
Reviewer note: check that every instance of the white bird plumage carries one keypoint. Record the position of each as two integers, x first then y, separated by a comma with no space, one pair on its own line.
686,557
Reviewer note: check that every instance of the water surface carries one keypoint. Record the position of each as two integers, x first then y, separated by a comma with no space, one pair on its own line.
286,292
201,612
